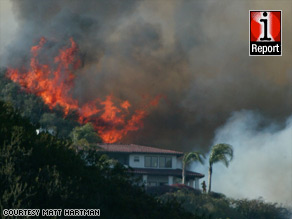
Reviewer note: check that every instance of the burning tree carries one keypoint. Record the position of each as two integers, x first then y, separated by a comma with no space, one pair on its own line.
53,82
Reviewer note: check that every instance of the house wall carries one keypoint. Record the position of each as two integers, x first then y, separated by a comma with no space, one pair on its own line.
197,185
174,162
146,179
150,180
140,164
179,163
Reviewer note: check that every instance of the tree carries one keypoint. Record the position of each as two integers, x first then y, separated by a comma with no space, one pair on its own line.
219,153
85,136
41,171
187,159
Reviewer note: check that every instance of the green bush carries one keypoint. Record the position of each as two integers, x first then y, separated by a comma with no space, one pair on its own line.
216,205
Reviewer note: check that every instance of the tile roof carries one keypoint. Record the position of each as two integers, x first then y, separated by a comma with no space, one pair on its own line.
161,172
133,148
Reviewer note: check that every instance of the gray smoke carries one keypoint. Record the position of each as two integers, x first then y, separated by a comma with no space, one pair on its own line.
262,159
194,53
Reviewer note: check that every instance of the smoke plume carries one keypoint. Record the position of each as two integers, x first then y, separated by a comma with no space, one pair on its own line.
262,159
192,53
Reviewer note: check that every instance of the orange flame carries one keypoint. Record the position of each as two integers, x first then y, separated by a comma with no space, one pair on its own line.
54,84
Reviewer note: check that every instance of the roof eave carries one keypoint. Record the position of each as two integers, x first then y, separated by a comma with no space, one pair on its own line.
139,152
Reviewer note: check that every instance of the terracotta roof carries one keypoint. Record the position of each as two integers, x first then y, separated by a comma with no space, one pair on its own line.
171,172
133,148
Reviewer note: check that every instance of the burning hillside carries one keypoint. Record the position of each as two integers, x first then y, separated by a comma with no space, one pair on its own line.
194,53
111,117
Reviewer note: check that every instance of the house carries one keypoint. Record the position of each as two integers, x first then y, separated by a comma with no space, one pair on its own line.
153,165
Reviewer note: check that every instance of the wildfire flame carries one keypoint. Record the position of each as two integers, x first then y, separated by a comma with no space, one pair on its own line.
54,83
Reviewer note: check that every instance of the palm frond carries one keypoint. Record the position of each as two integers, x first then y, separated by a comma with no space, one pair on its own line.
221,153
193,156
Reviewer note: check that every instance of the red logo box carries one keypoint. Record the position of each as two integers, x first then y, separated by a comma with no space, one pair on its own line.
265,33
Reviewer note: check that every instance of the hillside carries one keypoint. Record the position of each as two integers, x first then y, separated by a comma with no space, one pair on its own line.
42,172
217,205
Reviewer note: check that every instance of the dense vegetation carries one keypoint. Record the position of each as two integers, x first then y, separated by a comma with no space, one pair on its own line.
216,205
41,171
32,107
45,171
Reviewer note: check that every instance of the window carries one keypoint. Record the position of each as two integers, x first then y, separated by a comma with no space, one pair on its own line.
162,162
136,159
147,161
155,162
165,162
168,162
151,161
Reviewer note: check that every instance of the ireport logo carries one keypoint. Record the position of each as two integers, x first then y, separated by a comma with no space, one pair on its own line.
265,33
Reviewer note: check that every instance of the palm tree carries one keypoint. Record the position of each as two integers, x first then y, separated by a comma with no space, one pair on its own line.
187,159
219,153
